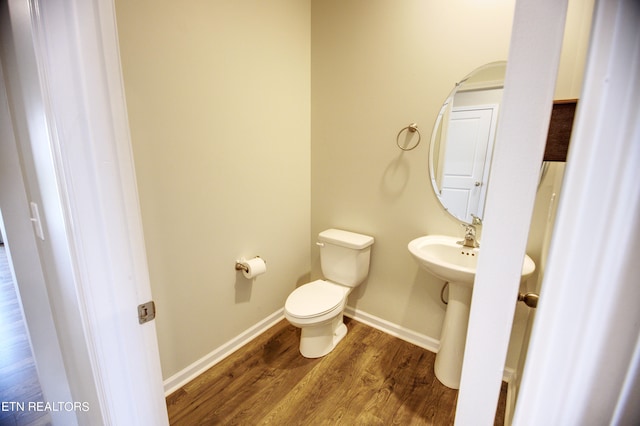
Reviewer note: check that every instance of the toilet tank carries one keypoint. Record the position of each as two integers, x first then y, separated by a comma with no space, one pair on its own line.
344,256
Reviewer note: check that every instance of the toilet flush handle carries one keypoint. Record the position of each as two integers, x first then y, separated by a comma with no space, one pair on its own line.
319,244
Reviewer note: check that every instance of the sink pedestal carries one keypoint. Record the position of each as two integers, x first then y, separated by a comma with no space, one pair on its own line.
448,365
446,259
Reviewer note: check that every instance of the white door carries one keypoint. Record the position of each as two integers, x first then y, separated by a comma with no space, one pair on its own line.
469,143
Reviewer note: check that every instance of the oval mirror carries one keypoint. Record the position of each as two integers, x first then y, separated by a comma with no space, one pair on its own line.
462,142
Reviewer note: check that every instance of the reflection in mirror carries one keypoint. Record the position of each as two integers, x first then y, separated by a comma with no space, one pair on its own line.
462,142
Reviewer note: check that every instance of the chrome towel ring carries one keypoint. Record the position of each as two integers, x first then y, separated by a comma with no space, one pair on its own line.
411,128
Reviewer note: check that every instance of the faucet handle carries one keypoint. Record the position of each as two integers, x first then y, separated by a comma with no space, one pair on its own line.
468,226
475,220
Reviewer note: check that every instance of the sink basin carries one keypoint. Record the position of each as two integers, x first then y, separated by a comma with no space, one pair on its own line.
443,257
449,261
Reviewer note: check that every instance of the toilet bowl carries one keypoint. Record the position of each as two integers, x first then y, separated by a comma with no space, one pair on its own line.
317,307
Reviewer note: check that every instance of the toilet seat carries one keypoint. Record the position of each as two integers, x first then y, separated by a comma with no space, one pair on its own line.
315,299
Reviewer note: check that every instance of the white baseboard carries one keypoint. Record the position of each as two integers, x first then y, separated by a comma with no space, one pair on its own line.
418,339
183,377
395,330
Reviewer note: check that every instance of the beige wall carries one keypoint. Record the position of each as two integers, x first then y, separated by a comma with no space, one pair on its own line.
218,99
257,125
377,67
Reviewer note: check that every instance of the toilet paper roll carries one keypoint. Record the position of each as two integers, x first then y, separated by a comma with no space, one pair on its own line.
254,267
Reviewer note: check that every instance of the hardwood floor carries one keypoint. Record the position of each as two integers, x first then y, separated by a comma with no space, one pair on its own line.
370,378
18,375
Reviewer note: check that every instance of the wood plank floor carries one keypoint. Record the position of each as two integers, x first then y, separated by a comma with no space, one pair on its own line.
371,378
18,375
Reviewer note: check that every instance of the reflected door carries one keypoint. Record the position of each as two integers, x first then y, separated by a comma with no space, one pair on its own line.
469,147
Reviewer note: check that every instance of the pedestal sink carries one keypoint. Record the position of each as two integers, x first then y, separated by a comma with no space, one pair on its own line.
448,260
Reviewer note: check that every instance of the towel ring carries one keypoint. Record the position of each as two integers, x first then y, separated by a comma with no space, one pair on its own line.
412,128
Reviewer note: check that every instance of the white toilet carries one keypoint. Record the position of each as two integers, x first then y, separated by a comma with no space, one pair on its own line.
317,307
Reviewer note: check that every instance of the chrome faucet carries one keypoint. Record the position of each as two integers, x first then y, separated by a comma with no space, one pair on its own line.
469,236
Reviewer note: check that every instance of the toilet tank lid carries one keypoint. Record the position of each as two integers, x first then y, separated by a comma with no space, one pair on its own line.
345,238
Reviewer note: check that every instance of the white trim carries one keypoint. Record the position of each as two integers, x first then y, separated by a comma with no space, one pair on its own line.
532,69
403,333
192,371
91,211
26,265
582,363
395,330
29,109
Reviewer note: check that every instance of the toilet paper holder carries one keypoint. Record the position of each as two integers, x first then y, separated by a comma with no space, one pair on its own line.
241,266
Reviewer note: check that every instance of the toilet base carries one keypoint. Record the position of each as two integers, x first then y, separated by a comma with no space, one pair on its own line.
318,340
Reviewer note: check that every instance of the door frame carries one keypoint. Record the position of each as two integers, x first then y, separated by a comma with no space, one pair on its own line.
584,355
85,33
76,155
584,366
532,69
25,264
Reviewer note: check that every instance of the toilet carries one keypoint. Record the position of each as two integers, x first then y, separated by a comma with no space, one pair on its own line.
317,307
